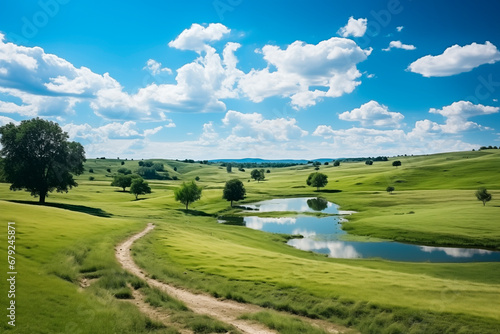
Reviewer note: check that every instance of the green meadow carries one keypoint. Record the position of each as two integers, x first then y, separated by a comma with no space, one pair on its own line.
72,239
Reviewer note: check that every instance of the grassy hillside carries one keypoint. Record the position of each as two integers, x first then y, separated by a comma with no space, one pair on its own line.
73,237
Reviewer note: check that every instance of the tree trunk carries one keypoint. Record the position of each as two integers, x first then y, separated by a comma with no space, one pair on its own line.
42,197
187,203
136,196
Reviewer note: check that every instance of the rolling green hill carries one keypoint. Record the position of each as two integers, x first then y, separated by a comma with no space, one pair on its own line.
72,238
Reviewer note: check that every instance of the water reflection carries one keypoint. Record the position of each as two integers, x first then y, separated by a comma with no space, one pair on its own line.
258,223
309,204
336,249
456,252
324,235
317,204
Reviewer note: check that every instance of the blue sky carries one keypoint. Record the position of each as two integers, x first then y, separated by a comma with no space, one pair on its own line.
237,78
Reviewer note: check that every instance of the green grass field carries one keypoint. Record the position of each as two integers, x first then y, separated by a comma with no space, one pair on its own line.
73,236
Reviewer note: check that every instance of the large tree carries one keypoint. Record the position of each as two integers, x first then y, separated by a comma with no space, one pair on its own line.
317,180
123,181
483,195
39,158
188,193
234,190
139,187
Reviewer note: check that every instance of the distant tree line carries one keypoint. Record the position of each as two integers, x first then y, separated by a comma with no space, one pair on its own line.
374,159
489,148
191,161
243,165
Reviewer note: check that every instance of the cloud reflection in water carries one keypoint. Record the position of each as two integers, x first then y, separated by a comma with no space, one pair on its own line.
337,249
455,252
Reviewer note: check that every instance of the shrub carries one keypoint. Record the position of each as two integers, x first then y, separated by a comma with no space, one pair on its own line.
158,167
124,171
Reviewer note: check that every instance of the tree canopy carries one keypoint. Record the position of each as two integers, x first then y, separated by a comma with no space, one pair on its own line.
139,187
396,163
188,193
39,158
483,195
234,190
123,181
317,180
124,170
258,174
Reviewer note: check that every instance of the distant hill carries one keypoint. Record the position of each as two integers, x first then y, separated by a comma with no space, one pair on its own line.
258,161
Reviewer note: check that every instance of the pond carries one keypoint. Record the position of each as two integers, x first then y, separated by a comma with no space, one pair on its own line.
325,235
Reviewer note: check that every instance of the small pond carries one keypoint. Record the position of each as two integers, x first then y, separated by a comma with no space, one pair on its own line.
325,235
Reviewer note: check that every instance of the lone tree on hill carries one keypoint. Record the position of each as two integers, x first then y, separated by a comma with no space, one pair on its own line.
39,158
234,190
317,180
258,175
336,163
188,193
123,181
483,195
139,187
390,189
396,163
229,168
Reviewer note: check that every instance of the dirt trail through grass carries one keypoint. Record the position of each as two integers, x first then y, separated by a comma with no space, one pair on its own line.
224,310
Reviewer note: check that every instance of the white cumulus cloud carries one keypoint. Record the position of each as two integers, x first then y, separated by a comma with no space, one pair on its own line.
114,130
47,85
354,27
330,64
456,59
254,125
458,113
373,114
425,138
155,68
6,120
399,45
197,37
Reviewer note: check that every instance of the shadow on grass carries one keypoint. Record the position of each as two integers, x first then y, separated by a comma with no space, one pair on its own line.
328,191
78,208
195,212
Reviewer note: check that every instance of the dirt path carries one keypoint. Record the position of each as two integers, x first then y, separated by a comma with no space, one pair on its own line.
224,310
